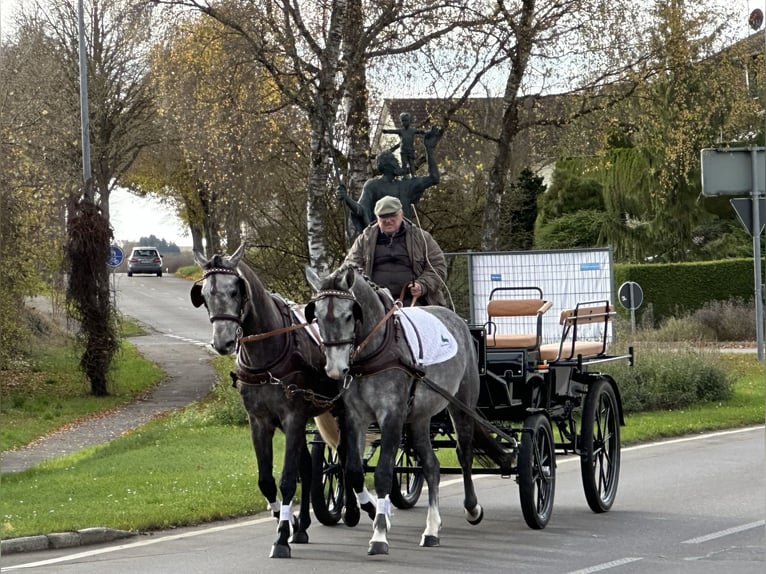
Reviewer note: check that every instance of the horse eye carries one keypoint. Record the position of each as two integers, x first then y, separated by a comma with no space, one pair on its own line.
234,293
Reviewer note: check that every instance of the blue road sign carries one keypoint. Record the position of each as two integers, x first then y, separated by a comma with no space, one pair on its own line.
116,256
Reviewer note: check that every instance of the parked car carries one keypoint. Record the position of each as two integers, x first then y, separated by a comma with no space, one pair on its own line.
145,260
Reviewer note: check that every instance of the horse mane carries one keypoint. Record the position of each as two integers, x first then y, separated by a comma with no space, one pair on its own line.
331,281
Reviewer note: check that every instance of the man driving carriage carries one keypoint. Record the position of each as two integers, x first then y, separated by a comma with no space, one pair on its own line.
398,255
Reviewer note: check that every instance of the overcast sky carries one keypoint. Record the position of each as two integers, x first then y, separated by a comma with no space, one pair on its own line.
133,217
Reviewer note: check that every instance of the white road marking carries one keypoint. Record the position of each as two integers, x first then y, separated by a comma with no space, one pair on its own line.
606,566
722,533
140,543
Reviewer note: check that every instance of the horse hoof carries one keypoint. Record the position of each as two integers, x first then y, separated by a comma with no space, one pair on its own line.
351,516
370,509
377,548
429,541
280,551
300,538
475,521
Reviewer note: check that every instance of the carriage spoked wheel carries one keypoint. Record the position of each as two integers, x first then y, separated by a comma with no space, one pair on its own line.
537,471
600,446
327,488
408,482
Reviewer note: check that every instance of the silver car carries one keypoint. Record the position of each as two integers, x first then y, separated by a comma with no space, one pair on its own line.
145,260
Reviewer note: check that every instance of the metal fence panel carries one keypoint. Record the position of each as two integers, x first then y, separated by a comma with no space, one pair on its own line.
566,277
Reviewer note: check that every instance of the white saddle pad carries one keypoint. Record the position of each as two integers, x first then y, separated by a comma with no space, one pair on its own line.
429,340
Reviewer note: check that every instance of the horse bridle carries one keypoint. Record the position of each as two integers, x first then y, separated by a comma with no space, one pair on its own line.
245,299
343,294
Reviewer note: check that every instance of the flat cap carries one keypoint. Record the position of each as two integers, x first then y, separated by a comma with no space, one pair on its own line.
388,205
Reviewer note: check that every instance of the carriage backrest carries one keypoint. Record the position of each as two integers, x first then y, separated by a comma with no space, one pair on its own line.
516,307
574,342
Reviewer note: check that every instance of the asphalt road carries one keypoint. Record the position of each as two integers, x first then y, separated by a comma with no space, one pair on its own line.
693,505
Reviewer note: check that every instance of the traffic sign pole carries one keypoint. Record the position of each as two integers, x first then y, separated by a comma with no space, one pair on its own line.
116,255
631,296
757,256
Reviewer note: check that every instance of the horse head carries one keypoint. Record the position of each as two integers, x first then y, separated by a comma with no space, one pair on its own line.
225,295
338,315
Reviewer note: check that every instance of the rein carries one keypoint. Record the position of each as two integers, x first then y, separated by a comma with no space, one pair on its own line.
381,323
274,333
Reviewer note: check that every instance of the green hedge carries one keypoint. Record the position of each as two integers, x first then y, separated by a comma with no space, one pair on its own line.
675,289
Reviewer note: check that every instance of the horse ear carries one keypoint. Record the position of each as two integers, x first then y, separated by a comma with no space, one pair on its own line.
200,259
313,278
308,312
196,295
349,277
237,255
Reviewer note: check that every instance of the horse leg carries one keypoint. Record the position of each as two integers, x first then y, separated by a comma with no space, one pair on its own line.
303,521
350,452
421,442
262,435
463,424
295,444
390,439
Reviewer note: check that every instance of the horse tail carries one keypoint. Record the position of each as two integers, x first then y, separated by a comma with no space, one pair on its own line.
328,428
488,450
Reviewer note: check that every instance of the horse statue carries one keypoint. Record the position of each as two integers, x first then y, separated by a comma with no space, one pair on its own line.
365,340
279,376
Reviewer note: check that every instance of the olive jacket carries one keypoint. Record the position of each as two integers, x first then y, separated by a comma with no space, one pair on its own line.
429,265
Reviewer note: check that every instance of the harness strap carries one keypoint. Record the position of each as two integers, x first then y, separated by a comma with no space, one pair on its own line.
380,324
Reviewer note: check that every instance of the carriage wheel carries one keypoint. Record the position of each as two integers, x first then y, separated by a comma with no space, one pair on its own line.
537,471
408,484
600,446
327,487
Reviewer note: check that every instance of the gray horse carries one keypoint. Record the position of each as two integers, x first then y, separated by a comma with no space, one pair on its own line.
365,348
279,376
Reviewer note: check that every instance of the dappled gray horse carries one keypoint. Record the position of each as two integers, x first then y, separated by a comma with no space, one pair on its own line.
279,376
365,348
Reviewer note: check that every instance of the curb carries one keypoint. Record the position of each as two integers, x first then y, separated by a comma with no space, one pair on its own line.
62,540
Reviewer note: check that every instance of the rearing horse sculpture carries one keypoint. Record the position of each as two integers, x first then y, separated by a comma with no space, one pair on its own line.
280,377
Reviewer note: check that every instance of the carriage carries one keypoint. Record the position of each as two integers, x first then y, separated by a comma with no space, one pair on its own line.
505,397
539,401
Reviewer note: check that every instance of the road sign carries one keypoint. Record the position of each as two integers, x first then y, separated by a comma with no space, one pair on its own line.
631,295
731,171
116,256
744,208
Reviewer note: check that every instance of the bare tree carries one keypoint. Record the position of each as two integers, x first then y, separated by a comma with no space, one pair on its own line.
317,55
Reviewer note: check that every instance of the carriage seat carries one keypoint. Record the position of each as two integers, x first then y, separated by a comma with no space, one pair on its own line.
570,346
515,308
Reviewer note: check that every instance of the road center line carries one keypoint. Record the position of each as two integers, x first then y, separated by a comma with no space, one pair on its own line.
722,533
606,565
